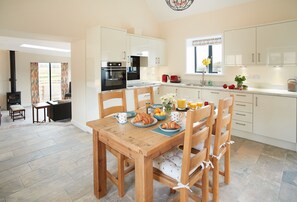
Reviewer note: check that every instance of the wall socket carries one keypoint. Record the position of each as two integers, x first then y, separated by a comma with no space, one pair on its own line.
256,76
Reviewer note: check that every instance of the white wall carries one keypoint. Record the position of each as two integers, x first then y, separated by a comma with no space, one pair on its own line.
78,94
4,76
23,82
69,19
213,23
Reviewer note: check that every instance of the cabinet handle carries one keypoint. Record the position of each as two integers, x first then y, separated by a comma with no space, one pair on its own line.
259,59
240,114
215,93
240,95
256,101
242,105
241,124
253,57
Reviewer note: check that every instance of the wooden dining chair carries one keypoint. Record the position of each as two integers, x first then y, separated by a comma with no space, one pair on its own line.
147,94
181,169
105,110
221,145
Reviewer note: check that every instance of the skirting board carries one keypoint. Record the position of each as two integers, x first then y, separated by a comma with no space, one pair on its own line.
81,126
265,140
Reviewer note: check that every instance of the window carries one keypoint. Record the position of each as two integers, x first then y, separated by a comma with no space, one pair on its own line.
49,81
201,48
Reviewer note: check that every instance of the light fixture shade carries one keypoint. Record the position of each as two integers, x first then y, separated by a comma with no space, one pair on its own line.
179,5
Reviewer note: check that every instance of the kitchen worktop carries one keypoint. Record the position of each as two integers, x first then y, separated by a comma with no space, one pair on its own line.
277,92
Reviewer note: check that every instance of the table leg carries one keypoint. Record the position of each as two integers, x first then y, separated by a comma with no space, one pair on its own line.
44,117
33,113
143,178
37,115
99,166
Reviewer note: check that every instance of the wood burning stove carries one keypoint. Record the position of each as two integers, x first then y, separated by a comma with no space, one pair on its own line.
13,97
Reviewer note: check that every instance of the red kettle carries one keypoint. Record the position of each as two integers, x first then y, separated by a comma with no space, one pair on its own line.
165,77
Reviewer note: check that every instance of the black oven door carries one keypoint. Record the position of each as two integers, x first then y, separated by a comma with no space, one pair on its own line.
113,78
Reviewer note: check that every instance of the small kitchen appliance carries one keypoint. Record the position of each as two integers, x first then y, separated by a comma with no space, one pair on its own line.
165,78
292,85
175,79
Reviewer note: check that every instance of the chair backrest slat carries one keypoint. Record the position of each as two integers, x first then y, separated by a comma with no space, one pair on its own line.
200,136
110,95
148,92
198,158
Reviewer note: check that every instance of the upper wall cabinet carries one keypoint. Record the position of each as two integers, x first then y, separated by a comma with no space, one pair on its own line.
277,44
113,44
157,53
274,45
240,47
152,48
138,45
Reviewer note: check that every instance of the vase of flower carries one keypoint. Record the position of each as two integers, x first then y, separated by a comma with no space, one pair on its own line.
168,108
167,101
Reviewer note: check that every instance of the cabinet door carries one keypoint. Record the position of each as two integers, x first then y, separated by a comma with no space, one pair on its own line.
139,46
167,89
190,94
214,96
113,44
277,44
157,55
275,117
240,47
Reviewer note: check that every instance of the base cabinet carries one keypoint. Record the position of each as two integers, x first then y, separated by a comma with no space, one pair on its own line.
275,117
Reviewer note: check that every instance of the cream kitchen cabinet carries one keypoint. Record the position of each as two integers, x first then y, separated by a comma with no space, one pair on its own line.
213,95
113,44
168,89
157,54
190,94
273,44
275,117
240,47
243,112
138,45
277,44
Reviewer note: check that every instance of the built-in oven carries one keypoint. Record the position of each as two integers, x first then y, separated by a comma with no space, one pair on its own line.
113,75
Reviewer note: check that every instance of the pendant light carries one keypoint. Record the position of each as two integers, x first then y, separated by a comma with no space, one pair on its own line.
179,5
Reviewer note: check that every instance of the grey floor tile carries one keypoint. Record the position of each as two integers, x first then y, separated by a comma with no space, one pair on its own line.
54,162
288,192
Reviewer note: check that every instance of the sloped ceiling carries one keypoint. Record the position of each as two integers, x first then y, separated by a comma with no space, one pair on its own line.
163,13
81,15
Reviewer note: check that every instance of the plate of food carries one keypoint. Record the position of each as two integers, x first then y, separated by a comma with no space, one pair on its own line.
171,126
143,120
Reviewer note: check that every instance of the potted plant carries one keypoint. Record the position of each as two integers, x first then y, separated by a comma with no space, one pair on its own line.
239,79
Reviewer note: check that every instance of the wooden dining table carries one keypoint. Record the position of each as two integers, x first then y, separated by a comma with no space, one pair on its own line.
140,144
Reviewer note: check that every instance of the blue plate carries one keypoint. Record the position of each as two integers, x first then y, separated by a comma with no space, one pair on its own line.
131,114
157,106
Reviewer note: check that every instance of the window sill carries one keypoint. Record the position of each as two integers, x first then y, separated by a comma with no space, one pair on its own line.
206,74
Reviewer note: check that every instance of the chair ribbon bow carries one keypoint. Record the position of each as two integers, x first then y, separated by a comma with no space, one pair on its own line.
224,144
182,186
217,157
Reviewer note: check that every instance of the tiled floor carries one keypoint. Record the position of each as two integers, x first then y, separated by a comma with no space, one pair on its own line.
53,162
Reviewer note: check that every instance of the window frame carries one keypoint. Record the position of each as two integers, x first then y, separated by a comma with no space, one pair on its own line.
193,65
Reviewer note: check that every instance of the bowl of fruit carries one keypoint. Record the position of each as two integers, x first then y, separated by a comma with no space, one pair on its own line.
159,114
